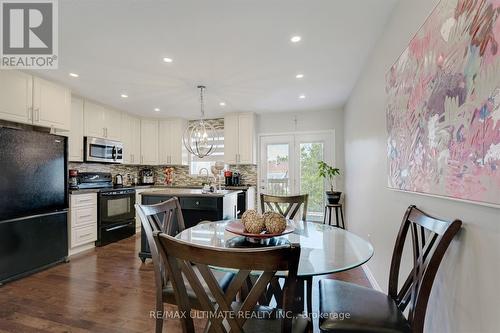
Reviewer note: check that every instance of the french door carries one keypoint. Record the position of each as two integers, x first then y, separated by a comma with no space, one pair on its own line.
288,166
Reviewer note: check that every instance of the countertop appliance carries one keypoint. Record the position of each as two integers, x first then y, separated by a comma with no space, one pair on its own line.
236,179
34,209
73,179
115,205
228,178
103,150
118,180
146,177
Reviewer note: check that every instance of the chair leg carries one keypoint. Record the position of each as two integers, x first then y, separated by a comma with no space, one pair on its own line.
309,285
159,315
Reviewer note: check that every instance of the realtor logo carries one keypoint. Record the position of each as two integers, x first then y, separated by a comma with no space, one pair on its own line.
28,34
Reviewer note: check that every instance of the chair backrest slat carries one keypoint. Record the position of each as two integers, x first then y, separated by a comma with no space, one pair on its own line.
288,206
156,218
180,257
430,238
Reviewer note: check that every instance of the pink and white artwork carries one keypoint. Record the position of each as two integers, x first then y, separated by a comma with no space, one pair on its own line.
443,115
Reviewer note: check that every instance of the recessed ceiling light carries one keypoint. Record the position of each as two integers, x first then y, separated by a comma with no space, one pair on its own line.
222,103
157,109
302,96
295,39
74,75
299,76
167,60
124,95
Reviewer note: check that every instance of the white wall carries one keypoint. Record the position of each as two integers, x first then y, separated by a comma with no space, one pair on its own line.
466,295
287,122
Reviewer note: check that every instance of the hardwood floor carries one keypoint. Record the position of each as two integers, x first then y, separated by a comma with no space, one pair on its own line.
103,290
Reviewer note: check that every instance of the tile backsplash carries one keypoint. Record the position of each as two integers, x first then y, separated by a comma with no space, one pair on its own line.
181,173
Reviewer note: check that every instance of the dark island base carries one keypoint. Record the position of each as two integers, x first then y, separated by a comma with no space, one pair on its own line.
194,210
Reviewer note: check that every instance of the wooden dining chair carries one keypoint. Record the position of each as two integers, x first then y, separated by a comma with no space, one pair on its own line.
167,217
287,206
181,258
373,311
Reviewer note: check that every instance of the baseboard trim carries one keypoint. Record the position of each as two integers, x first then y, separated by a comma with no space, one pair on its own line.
371,278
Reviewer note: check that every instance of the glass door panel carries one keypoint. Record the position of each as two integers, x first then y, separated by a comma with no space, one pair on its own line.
289,166
278,169
310,154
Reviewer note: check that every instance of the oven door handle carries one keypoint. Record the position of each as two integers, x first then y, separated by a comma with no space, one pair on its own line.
117,227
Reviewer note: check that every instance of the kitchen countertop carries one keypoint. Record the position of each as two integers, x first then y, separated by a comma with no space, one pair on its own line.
166,187
186,192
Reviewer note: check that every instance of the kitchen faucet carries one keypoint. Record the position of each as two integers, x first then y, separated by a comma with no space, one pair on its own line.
207,175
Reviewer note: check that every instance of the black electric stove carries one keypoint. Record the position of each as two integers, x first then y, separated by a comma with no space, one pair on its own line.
115,207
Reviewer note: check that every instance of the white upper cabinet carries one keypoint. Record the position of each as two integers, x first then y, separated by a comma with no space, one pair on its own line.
16,96
102,122
31,100
76,132
112,121
240,138
51,105
149,142
131,138
171,147
247,139
94,120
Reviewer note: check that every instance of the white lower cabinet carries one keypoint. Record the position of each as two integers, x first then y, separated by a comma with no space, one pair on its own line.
82,222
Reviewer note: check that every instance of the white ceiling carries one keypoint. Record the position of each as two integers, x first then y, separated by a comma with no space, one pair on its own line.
240,49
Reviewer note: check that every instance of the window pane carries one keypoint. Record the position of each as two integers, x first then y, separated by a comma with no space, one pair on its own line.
278,169
310,182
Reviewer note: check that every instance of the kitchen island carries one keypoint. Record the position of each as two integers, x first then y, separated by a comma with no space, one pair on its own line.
196,207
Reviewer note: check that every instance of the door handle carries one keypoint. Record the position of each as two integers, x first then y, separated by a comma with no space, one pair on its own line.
117,227
30,113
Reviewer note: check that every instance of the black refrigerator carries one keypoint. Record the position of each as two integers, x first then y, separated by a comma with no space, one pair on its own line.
33,202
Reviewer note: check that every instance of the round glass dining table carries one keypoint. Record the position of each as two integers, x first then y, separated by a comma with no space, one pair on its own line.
324,249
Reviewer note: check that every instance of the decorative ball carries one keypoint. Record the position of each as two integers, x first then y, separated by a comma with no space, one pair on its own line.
275,223
248,215
267,214
255,224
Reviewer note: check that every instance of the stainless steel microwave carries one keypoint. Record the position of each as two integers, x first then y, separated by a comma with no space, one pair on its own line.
103,150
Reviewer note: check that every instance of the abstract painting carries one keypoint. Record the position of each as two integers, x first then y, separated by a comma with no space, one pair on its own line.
443,115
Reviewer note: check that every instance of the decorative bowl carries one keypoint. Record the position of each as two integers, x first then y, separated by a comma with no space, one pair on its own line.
236,227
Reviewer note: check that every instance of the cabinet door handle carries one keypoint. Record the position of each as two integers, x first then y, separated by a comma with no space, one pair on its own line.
84,216
30,113
142,159
86,235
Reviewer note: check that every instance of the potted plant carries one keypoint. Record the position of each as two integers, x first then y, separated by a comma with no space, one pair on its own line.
328,172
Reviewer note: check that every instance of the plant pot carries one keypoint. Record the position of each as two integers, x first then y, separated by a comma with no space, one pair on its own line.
333,197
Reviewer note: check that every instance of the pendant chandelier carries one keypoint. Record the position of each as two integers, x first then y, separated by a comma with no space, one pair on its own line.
200,136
